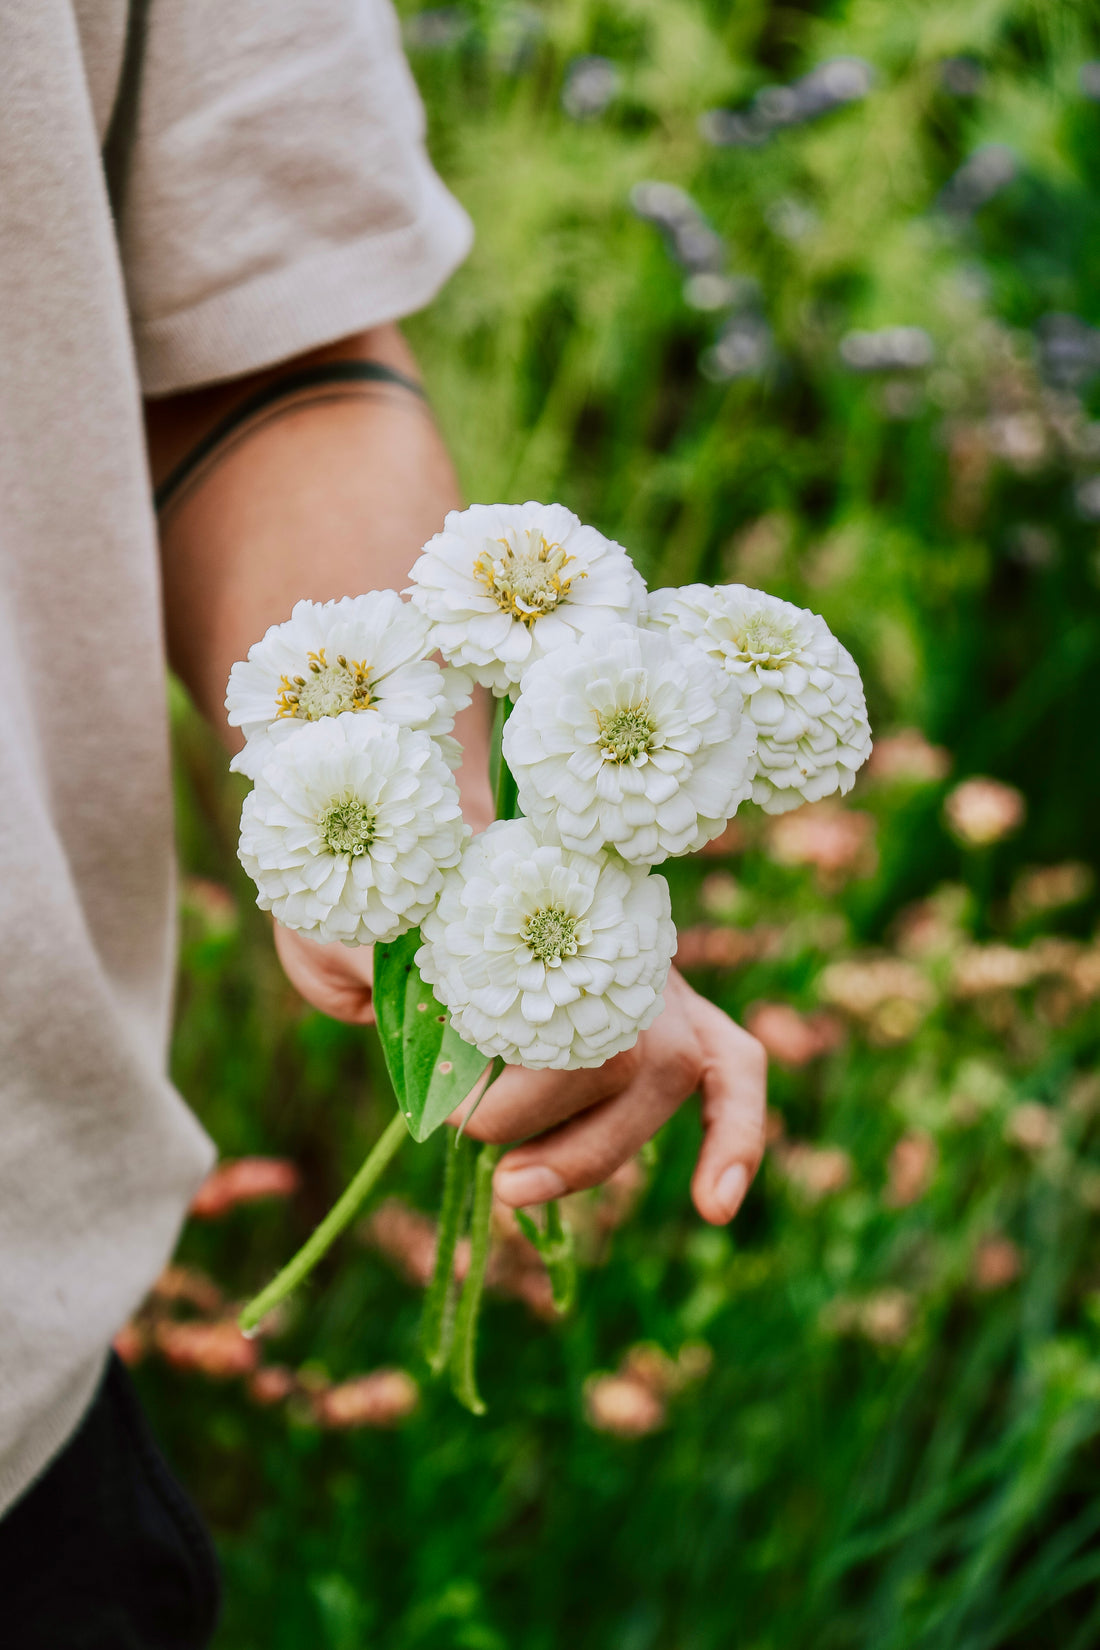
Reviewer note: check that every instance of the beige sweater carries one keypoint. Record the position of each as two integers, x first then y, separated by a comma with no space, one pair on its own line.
271,193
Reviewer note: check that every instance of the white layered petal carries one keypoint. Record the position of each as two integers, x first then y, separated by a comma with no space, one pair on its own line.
802,689
631,740
350,828
358,654
544,956
506,584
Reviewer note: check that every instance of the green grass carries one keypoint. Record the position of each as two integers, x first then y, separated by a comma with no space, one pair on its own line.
935,1487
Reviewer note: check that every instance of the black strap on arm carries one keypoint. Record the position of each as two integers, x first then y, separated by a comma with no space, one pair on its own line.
282,389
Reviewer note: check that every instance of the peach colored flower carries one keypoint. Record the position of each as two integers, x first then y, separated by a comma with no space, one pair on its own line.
792,1038
907,758
623,1406
272,1384
380,1399
708,946
837,841
1032,1127
211,904
244,1181
131,1344
887,1317
733,840
1051,887
997,1263
887,993
982,811
815,1171
216,1349
912,1165
983,968
188,1285
404,1236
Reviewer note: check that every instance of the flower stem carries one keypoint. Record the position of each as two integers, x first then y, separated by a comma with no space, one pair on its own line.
555,1246
560,1258
341,1214
463,1352
437,1323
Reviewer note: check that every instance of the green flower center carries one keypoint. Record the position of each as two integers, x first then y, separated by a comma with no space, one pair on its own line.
326,691
627,735
761,641
348,827
526,579
551,934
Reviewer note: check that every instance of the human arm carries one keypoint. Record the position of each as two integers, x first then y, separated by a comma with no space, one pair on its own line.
336,497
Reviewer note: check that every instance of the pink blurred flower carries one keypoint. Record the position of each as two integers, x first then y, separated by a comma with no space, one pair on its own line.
888,994
1032,1127
982,811
912,1165
211,903
887,1317
622,1405
404,1236
272,1384
792,1038
838,841
997,1263
244,1181
130,1343
720,895
188,1285
380,1399
933,927
216,1349
816,1171
907,758
708,946
985,968
1051,887
733,840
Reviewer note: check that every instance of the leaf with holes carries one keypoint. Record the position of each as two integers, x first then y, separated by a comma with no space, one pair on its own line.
432,1070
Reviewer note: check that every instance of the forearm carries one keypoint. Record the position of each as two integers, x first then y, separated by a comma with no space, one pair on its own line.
318,500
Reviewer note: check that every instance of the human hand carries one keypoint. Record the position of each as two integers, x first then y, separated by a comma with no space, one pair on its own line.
336,978
586,1124
578,1127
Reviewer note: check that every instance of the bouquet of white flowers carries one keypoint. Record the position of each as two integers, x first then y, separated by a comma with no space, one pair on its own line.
631,727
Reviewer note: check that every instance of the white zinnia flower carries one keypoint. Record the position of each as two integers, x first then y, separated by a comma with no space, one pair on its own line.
350,828
505,584
359,653
547,957
802,688
630,740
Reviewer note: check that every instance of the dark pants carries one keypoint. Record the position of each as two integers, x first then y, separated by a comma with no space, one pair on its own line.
105,1551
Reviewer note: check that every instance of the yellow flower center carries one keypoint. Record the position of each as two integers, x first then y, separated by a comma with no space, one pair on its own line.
527,578
326,691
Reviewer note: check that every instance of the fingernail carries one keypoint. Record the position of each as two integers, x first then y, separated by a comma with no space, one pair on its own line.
731,1189
522,1186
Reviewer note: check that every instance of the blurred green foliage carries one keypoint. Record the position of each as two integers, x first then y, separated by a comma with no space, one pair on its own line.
898,1441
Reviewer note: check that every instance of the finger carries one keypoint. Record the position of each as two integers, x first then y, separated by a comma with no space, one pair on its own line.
589,1148
524,1103
335,978
733,1085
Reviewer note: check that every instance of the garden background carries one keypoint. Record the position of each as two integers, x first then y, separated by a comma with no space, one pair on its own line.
848,358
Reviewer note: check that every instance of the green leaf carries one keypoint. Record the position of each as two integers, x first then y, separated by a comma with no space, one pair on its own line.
432,1070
